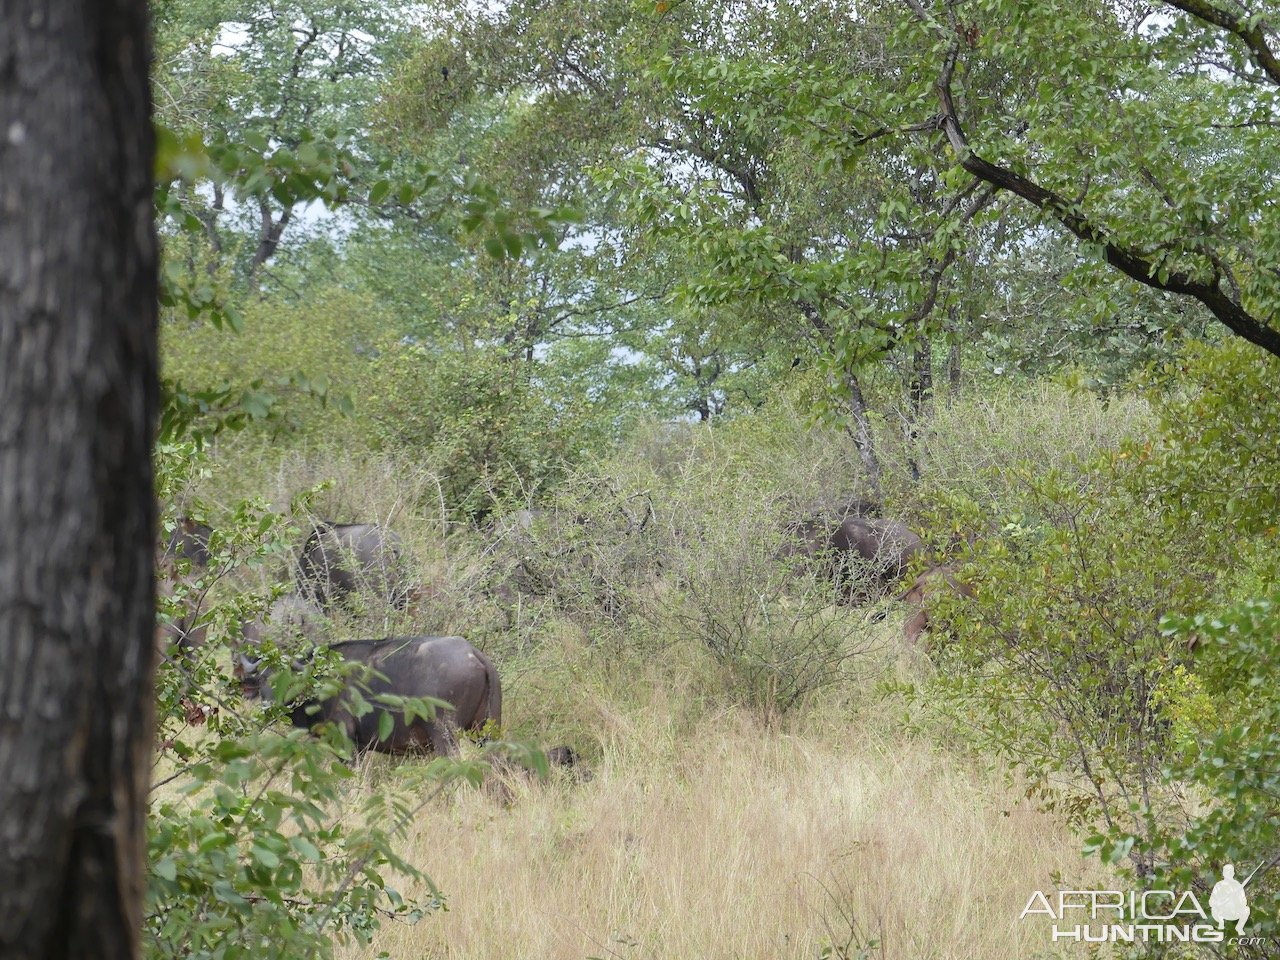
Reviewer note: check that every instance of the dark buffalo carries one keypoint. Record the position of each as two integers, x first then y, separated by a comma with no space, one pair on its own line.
189,541
853,506
872,554
289,618
865,555
563,756
811,537
342,559
445,668
930,584
180,566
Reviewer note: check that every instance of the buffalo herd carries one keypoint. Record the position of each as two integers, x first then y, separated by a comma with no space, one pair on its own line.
341,565
455,685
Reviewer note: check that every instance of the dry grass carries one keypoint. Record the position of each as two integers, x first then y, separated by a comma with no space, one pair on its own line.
738,841
706,832
970,444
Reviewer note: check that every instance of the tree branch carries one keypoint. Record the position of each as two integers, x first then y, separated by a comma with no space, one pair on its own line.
1254,36
1134,264
270,232
745,178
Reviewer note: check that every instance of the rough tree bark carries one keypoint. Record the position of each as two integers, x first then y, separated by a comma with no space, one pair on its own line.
78,396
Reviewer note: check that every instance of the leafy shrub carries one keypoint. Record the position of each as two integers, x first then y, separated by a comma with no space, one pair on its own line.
1074,662
1215,463
680,537
484,418
974,441
1232,759
256,848
292,370
1058,661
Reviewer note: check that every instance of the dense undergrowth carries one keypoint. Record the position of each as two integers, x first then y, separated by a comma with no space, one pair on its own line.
641,609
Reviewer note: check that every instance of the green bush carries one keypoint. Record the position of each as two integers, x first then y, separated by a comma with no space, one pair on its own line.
1074,662
493,430
1215,462
973,442
680,538
1231,757
256,846
292,372
1059,657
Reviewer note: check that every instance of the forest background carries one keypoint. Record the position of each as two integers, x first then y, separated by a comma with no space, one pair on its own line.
676,276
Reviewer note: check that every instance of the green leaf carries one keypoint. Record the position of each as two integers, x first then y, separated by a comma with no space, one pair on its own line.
495,247
264,856
166,869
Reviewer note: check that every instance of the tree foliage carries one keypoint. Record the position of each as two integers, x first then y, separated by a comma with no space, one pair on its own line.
857,180
555,218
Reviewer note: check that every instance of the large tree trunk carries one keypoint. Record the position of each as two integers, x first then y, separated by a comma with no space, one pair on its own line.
78,395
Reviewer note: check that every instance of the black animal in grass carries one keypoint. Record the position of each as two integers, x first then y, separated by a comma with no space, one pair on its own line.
340,560
864,554
447,669
180,565
869,555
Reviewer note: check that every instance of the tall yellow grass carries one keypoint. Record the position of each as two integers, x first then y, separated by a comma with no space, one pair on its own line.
706,832
739,841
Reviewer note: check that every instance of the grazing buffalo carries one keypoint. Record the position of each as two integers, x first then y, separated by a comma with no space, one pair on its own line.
807,539
189,541
811,537
445,668
290,617
342,559
864,554
853,506
931,583
184,558
871,554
